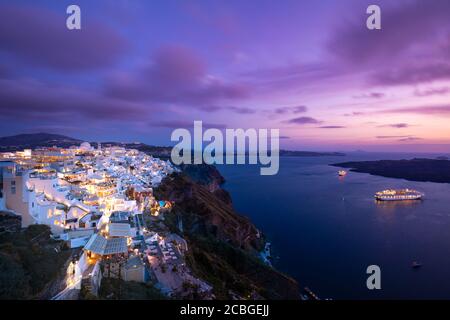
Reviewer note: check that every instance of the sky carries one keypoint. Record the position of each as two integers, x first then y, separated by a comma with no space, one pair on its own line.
139,69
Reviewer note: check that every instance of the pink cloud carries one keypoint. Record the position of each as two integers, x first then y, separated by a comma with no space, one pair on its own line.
395,125
293,110
303,121
426,110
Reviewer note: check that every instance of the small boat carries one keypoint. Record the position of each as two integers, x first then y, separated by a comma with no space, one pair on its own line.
416,265
342,173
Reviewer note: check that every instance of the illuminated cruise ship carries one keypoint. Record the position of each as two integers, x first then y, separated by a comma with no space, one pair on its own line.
398,195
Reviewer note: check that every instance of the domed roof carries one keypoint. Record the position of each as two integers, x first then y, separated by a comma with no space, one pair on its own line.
85,146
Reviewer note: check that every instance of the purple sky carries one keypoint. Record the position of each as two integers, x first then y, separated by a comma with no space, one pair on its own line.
139,69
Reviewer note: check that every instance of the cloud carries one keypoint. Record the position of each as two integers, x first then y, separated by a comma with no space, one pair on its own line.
293,71
173,124
353,114
404,26
293,77
410,139
400,138
391,137
412,46
412,74
215,108
432,92
54,128
294,110
31,101
371,95
332,127
241,110
425,110
303,121
5,72
175,74
395,125
39,37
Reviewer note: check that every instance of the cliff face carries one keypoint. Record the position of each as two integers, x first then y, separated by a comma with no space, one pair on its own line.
224,245
204,175
209,177
209,212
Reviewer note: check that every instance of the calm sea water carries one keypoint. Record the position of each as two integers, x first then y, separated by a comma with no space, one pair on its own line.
326,230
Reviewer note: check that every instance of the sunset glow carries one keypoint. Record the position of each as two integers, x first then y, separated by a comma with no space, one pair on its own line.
310,68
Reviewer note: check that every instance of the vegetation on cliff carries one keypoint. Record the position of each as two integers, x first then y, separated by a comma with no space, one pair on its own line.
117,289
29,261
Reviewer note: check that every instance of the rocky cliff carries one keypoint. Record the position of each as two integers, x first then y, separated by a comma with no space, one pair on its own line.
224,245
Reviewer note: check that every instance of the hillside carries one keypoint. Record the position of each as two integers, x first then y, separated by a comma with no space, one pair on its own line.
30,261
34,140
37,140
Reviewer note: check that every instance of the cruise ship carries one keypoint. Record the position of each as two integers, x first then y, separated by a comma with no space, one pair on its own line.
398,195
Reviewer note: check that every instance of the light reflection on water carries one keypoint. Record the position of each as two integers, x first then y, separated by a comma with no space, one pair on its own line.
327,229
396,204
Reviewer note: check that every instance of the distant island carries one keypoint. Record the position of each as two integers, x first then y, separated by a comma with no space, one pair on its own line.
291,153
425,170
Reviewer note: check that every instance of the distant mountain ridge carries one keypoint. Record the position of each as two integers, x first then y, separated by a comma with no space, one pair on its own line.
42,139
291,153
34,140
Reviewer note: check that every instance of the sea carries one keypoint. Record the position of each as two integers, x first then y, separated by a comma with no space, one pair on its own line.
326,230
